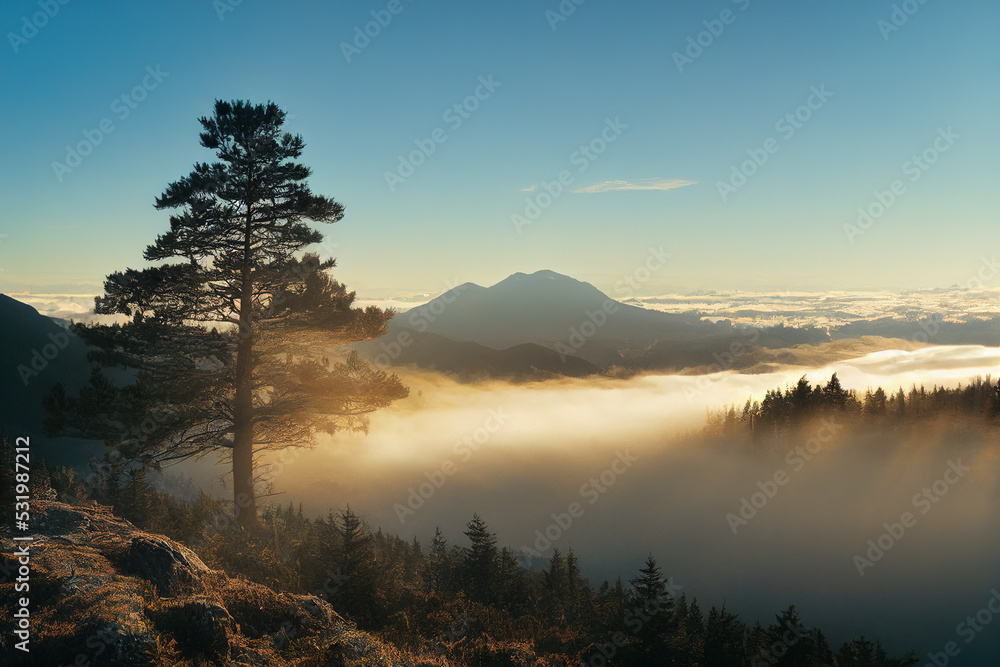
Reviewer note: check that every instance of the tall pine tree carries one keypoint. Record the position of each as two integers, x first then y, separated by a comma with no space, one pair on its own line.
229,330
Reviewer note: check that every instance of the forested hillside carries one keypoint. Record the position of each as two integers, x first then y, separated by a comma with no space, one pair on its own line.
975,406
474,604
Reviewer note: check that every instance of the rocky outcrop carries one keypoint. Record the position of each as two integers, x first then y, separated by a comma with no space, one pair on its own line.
103,592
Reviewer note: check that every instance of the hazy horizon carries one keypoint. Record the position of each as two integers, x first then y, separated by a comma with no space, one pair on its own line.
606,282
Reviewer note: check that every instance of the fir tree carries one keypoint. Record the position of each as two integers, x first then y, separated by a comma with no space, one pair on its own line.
479,562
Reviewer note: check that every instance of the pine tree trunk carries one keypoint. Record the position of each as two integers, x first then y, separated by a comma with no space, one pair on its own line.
245,507
245,503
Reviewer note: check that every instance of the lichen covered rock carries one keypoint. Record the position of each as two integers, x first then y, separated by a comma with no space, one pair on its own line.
103,592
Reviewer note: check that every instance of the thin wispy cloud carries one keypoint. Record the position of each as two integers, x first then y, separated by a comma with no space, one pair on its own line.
643,184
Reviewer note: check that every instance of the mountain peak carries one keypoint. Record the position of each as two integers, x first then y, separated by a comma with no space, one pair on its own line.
543,276
464,288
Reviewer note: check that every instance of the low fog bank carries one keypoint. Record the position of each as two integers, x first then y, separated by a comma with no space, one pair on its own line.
622,466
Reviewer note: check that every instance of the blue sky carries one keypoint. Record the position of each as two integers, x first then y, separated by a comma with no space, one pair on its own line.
893,94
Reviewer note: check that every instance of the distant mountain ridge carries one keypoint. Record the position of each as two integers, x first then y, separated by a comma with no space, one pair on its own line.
35,354
549,309
546,322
